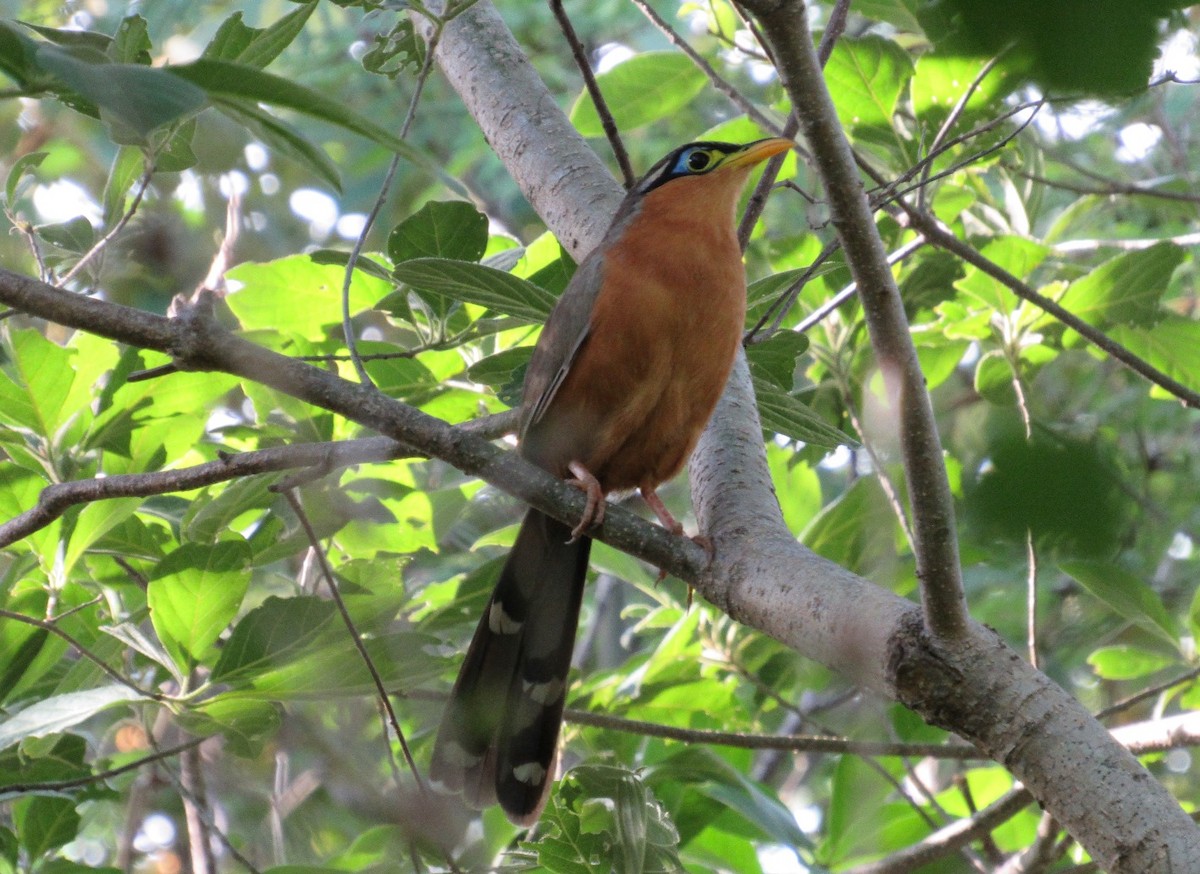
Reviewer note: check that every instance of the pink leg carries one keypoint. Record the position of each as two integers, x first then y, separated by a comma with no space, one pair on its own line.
654,502
593,511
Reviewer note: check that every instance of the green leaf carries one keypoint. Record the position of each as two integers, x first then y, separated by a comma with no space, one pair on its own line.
775,357
473,283
1127,596
647,87
132,43
797,486
194,593
276,631
244,724
126,168
94,521
1127,662
497,370
405,379
35,396
20,167
1017,255
257,47
211,516
994,379
1172,345
941,80
333,668
74,235
716,778
280,137
44,823
454,230
856,810
1125,289
227,80
856,529
295,295
133,100
785,415
866,77
59,712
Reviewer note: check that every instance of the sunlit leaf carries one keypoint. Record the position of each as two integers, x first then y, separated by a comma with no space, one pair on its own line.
647,87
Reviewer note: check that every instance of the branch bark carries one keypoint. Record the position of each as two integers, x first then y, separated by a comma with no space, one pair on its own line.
785,27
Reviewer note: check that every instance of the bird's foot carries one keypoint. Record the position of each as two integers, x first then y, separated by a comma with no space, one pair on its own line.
593,510
654,502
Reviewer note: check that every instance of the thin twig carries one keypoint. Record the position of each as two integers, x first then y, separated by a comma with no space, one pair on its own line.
209,824
782,304
196,812
46,786
714,78
950,839
593,89
336,595
1031,598
800,743
52,627
384,189
1147,694
98,247
56,499
951,120
1110,188
762,190
943,238
819,314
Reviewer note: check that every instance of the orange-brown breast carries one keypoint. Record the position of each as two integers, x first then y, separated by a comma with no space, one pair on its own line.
664,331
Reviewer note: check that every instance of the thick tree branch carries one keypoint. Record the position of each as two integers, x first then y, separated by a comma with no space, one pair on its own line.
785,27
198,342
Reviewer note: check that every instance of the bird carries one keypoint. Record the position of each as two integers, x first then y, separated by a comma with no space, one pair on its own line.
624,377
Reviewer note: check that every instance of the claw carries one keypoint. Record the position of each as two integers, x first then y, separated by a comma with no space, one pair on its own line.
593,510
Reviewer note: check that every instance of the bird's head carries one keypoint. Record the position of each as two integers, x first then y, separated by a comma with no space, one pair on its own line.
712,162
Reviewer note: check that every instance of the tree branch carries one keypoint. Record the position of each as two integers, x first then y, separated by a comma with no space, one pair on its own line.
785,27
198,342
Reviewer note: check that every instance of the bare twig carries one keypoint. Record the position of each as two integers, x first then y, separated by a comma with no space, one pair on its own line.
56,499
715,79
205,817
1031,599
818,315
383,697
952,119
782,304
99,776
1109,188
593,89
384,188
950,839
196,812
53,628
807,743
943,238
1146,694
99,245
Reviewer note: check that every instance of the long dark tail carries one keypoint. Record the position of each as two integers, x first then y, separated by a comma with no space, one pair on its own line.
498,740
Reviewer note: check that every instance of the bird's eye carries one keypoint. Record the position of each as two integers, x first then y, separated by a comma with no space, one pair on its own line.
698,161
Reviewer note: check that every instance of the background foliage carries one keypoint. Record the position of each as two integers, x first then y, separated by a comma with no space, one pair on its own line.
134,626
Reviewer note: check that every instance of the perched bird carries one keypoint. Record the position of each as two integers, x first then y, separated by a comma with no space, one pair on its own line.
623,380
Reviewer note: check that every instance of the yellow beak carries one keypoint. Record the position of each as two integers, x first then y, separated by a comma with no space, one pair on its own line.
756,152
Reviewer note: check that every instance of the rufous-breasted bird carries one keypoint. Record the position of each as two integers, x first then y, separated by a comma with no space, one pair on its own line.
623,380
